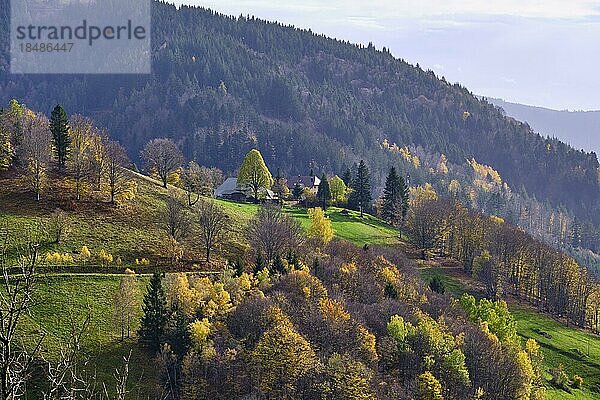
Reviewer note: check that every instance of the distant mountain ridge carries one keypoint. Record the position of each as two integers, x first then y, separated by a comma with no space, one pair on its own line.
580,129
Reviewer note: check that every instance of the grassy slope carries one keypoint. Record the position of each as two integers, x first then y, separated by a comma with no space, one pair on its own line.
567,346
135,232
126,233
65,300
348,226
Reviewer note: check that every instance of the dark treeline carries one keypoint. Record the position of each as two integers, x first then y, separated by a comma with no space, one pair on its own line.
507,260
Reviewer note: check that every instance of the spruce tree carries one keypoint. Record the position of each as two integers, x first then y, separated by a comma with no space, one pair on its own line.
259,263
360,198
59,126
347,177
154,320
395,197
297,191
324,192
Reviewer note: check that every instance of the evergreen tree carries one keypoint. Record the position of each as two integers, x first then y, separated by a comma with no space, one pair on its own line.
279,266
280,185
177,332
437,285
297,191
395,197
324,193
154,320
360,198
59,126
259,263
347,177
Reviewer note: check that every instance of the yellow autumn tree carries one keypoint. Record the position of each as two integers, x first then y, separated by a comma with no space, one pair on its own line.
254,173
320,226
280,359
428,387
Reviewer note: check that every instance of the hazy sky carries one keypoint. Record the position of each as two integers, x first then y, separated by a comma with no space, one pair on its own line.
538,52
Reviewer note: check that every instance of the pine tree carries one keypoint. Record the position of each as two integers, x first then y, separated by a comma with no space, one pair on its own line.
324,192
259,263
279,266
360,198
395,197
297,191
347,177
59,125
154,320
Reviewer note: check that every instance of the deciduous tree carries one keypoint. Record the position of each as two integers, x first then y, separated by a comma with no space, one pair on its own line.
36,149
125,301
79,164
115,170
272,233
338,190
214,225
163,157
281,358
320,226
254,173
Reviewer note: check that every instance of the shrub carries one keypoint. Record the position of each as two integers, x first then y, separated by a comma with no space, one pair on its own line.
437,285
577,381
105,258
85,253
57,258
560,377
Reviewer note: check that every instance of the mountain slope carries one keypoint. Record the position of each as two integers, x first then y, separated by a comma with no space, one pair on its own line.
223,85
581,129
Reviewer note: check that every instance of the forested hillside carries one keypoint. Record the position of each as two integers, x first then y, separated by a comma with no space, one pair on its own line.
223,85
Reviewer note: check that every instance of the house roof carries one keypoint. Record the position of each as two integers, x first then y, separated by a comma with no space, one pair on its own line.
306,181
230,187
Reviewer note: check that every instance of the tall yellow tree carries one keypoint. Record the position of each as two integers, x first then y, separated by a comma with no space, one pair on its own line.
254,173
79,161
280,359
320,226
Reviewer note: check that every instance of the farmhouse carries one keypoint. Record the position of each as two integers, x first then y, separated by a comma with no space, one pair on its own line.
309,182
230,190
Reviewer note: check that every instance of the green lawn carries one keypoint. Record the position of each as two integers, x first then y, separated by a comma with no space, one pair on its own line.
61,300
346,225
577,350
129,233
349,226
452,285
136,231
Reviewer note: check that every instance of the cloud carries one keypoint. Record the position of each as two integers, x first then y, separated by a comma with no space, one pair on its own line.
411,9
